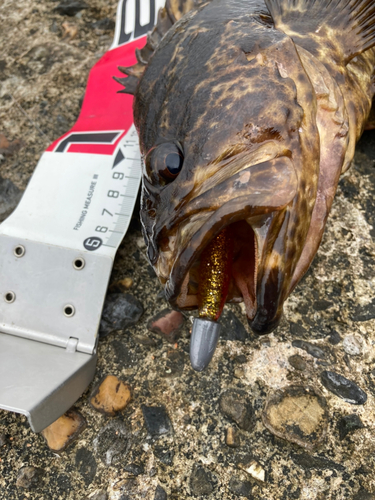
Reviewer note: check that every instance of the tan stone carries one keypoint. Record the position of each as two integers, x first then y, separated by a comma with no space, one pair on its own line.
64,430
297,414
110,396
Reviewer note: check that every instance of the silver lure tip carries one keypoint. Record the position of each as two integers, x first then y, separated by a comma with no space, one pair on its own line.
204,337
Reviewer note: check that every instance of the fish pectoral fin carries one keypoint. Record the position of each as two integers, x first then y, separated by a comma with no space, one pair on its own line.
343,28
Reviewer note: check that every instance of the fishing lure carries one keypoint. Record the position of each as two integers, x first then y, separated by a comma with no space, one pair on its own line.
247,112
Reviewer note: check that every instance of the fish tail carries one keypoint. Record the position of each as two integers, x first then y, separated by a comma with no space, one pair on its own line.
345,28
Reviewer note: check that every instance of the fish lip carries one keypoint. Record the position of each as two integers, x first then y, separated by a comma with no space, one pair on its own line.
219,220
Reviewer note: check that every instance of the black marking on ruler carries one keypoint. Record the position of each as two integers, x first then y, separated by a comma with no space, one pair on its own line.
127,196
111,231
122,215
119,157
139,30
104,245
87,138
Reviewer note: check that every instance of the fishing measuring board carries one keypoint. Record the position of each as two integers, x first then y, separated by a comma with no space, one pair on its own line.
57,248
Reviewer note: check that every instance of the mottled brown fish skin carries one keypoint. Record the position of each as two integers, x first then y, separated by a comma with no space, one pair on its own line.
266,120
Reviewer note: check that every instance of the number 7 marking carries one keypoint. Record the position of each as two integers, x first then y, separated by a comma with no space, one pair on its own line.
105,210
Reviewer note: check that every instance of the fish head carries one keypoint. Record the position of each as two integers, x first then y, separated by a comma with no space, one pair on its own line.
227,142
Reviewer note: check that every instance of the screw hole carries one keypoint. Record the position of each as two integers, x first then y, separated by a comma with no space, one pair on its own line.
69,311
79,264
19,251
10,297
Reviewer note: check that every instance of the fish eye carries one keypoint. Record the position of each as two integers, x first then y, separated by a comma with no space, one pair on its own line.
165,162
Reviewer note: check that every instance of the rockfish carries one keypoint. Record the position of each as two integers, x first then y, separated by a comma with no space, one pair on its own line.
247,112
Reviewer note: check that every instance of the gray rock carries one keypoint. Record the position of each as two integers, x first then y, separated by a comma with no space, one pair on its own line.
164,452
232,328
113,442
104,24
236,406
120,311
297,362
343,388
70,7
311,349
86,465
200,481
10,196
135,469
334,338
349,424
29,477
156,420
160,494
315,462
240,488
353,345
365,313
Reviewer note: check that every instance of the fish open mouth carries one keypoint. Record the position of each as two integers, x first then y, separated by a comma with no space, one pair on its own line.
225,271
244,211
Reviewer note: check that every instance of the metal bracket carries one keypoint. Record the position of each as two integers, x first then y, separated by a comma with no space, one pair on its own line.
58,246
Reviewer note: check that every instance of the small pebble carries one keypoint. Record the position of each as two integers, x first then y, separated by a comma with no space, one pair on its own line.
175,363
110,396
64,430
135,469
238,373
200,481
121,286
156,420
254,469
168,324
113,442
104,24
160,494
308,462
240,488
232,328
3,440
311,349
343,388
353,345
29,477
86,465
232,438
164,452
297,362
120,311
334,338
297,414
235,405
70,7
348,424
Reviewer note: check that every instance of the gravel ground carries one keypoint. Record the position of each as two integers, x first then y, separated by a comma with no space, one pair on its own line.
207,428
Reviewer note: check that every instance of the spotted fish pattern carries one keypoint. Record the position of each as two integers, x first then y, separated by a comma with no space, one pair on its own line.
247,112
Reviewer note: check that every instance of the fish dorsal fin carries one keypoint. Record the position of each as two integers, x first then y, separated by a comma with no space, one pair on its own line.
167,16
346,28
